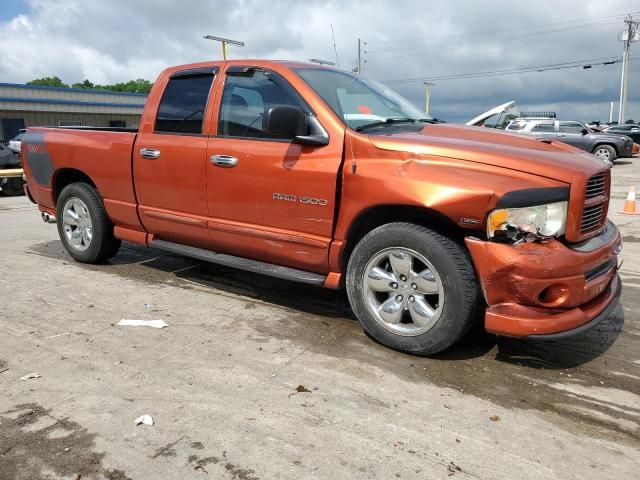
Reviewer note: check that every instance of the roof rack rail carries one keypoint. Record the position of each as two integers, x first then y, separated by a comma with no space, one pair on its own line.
538,115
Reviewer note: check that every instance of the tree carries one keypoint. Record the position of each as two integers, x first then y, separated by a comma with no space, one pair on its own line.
132,86
631,121
84,85
48,82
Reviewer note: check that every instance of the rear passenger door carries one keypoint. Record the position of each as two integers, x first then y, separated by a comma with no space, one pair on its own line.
544,129
170,161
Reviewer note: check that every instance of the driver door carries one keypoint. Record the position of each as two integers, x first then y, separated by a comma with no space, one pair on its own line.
269,198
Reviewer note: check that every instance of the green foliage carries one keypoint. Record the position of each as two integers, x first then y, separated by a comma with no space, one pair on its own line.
48,82
631,121
132,86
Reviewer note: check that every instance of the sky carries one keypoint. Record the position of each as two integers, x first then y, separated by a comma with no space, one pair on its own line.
118,40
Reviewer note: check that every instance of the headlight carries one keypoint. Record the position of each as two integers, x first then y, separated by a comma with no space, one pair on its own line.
545,220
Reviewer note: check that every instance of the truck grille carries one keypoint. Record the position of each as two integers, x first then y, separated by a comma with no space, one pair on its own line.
594,213
597,185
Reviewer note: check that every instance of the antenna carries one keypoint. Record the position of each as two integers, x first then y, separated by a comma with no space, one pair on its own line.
333,36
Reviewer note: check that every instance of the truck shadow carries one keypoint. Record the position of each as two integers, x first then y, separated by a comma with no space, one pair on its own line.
156,266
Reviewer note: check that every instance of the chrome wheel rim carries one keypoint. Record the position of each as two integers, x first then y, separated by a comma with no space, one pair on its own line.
403,291
603,154
76,224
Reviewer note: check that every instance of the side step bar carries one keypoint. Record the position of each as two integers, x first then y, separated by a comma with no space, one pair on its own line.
241,263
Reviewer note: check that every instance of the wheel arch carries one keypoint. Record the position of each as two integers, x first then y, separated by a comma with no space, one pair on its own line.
376,216
66,176
608,144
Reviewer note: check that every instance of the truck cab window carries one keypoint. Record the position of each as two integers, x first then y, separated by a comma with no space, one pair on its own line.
246,98
183,104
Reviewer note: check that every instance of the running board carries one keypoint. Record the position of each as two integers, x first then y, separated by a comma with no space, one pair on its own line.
255,266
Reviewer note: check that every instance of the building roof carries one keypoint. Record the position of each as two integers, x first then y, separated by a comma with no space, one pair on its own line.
68,89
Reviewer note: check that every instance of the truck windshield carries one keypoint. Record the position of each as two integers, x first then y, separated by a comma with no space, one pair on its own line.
360,101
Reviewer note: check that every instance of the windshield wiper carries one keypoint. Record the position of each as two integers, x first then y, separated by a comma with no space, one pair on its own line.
388,121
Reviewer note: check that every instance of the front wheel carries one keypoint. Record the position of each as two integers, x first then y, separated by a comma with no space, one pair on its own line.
412,289
605,152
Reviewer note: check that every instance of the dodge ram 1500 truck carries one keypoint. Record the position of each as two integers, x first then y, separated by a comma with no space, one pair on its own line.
317,175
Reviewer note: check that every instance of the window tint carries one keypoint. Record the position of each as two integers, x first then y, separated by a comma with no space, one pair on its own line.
571,127
183,104
543,127
246,98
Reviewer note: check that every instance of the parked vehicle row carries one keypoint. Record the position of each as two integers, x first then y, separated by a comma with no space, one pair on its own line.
605,145
631,131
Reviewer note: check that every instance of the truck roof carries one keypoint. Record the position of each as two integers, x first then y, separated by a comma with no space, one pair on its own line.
251,61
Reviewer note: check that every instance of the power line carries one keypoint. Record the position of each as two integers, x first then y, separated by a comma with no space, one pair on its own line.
383,55
516,29
589,63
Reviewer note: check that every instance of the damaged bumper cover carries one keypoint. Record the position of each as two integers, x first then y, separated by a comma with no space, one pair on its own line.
548,289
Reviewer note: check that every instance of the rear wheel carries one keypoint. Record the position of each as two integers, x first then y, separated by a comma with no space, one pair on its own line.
412,288
83,225
605,152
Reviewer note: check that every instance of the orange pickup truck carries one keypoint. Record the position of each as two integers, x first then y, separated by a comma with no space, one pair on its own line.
317,175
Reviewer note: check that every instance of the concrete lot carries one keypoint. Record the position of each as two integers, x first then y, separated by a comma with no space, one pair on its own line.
220,381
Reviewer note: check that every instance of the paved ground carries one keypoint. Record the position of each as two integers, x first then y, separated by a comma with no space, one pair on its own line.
220,381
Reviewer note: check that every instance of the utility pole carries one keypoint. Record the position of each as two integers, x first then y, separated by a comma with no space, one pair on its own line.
224,42
631,33
360,60
611,112
427,95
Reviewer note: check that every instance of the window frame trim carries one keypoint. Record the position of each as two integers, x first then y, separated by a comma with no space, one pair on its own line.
281,81
191,72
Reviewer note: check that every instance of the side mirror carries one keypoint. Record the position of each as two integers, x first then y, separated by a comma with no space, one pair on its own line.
284,121
287,121
584,131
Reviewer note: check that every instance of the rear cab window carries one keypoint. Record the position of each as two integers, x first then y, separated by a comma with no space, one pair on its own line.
183,104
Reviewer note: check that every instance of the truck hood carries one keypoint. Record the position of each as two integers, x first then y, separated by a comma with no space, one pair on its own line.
553,160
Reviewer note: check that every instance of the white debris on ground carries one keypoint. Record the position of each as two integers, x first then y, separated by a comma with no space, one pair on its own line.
143,323
144,420
30,376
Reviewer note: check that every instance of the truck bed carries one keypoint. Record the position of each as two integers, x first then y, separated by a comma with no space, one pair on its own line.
104,155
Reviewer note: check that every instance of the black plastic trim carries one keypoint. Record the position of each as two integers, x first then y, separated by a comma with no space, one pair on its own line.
530,197
196,71
255,266
601,317
600,269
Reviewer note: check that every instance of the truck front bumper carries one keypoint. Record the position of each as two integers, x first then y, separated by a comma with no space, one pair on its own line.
548,289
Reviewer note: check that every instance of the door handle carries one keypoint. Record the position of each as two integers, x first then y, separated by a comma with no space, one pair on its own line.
226,161
149,153
561,135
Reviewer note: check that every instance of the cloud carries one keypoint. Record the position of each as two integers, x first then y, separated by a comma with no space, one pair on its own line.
126,39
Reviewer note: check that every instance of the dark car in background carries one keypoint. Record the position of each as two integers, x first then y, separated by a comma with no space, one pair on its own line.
10,186
607,146
632,131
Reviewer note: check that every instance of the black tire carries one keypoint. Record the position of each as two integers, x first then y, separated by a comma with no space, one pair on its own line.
606,148
13,187
103,244
462,301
